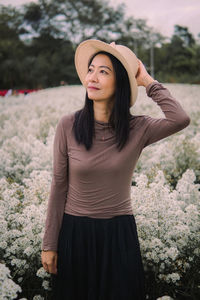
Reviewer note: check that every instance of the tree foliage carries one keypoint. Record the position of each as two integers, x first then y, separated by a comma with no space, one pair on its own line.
38,41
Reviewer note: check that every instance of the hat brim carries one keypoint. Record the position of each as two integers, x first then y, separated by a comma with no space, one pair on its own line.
88,48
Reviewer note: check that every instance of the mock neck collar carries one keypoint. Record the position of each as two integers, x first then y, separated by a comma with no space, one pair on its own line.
101,122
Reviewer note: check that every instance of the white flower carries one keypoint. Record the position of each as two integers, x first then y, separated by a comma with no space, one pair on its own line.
45,284
165,298
42,273
38,297
165,225
9,289
174,277
167,217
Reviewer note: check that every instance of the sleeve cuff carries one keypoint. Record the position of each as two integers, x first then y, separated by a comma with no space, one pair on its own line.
151,85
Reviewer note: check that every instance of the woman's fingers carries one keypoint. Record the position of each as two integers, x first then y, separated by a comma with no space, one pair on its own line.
49,261
45,266
53,266
142,70
140,73
50,268
142,77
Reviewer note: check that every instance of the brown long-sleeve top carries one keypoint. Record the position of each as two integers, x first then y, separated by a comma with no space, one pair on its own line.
97,183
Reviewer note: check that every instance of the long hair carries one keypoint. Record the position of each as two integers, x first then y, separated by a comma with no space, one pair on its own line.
83,126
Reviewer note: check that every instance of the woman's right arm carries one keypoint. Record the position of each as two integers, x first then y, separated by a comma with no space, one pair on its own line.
57,198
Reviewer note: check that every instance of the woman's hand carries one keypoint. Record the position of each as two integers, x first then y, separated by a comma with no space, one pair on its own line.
142,77
49,261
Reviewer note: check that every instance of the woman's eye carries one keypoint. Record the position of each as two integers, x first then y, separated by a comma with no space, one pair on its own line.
101,71
104,72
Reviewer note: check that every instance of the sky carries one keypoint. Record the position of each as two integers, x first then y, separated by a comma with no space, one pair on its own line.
162,15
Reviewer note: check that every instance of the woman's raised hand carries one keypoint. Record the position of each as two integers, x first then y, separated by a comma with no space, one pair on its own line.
49,261
142,77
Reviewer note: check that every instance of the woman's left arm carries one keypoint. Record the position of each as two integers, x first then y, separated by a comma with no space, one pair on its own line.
175,119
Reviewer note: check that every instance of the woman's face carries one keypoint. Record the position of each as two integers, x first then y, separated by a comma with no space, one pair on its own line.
100,79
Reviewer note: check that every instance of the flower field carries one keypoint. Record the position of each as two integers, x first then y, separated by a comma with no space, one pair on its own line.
165,193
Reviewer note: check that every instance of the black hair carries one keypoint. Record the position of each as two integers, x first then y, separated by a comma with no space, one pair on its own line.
120,115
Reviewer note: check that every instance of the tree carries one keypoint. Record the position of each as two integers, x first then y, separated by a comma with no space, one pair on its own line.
38,41
74,20
183,33
11,47
177,60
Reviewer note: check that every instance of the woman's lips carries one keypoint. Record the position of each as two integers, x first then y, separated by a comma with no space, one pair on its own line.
92,88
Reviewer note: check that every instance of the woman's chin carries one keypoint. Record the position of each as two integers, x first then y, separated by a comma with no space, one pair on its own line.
91,97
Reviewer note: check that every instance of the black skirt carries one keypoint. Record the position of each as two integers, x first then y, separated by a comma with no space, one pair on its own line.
98,259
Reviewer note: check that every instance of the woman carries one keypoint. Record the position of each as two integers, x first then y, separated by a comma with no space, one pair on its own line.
90,244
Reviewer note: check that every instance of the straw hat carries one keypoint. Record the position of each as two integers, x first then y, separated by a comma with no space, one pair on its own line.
86,49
